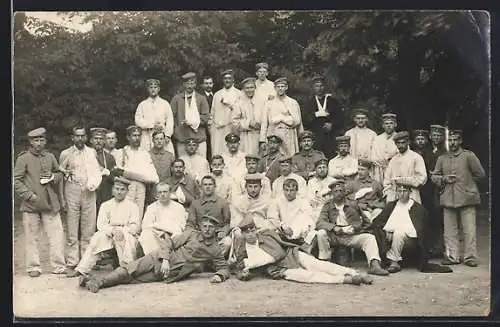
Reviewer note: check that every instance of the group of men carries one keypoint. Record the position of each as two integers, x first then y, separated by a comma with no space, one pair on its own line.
283,190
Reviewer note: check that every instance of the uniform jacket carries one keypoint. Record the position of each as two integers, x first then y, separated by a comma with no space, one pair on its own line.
183,132
303,163
328,218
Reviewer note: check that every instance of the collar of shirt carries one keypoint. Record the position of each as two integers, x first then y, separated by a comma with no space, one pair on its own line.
74,148
37,154
209,94
211,198
456,154
189,96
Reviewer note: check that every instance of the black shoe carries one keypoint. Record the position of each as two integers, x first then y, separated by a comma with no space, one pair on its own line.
471,263
34,273
448,262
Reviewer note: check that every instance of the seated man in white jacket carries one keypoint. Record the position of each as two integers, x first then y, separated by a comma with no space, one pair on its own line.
117,228
164,218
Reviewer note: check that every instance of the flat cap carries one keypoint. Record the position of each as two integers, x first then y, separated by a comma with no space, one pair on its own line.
365,163
401,135
232,138
37,132
320,161
79,129
274,138
262,65
209,218
252,156
285,159
343,139
318,78
227,72
421,132
281,80
191,141
189,76
306,134
152,82
133,128
253,177
121,180
455,132
246,223
98,131
359,111
336,182
247,81
389,116
437,128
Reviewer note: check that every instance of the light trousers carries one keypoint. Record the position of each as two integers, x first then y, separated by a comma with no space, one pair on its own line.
137,194
467,216
399,239
82,219
52,225
181,149
363,241
150,240
317,271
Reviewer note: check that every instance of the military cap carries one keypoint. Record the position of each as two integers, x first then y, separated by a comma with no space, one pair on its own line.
389,116
37,132
232,138
318,78
121,180
79,129
152,82
211,219
274,138
359,111
336,182
281,80
227,72
189,76
365,163
261,65
320,161
421,132
132,129
252,156
306,134
437,128
191,141
455,132
343,139
246,223
285,159
98,131
401,135
248,80
253,177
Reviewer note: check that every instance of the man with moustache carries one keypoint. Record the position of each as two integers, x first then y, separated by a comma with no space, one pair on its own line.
269,165
234,158
303,161
344,165
252,164
106,162
383,147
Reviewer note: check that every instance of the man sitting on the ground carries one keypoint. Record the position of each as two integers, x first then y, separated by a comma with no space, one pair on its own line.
181,256
340,223
401,223
164,218
117,228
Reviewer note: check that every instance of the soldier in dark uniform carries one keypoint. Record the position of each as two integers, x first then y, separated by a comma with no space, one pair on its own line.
324,116
207,86
270,164
107,163
303,161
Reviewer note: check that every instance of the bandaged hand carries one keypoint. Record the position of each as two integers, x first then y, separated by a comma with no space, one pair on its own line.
165,268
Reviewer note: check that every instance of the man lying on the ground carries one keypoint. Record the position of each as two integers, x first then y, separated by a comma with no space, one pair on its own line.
284,260
117,228
401,223
181,256
343,224
164,218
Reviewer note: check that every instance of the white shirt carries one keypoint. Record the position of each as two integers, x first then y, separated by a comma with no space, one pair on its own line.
113,213
168,218
278,185
196,165
296,214
151,111
235,165
344,166
361,142
341,218
139,163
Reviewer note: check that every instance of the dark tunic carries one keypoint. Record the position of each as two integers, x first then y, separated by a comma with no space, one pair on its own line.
104,191
270,165
303,162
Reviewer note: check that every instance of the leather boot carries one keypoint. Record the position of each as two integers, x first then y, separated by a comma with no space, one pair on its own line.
82,280
116,277
376,269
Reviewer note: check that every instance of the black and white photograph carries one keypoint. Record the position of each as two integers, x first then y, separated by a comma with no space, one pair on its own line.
280,163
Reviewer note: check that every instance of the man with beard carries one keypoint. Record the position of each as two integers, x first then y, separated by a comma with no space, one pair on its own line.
83,176
154,114
180,257
191,116
38,183
110,142
344,165
264,88
184,188
118,226
106,162
252,163
318,192
248,116
401,224
456,174
234,158
283,118
383,147
324,117
135,164
303,161
406,167
196,165
269,164
286,173
224,184
162,160
361,136
223,112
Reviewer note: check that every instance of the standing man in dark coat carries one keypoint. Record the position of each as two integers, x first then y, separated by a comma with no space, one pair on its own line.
107,162
207,90
324,116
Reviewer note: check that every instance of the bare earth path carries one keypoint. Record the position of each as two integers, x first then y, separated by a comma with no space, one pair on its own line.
466,292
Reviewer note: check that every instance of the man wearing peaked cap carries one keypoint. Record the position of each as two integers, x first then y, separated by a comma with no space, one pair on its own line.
383,147
196,165
420,143
162,161
361,136
154,113
38,183
252,164
281,80
403,135
318,191
269,165
223,111
344,165
286,172
189,76
234,158
303,161
264,88
232,138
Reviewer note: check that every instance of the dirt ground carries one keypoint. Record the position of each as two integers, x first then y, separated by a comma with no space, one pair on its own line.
465,292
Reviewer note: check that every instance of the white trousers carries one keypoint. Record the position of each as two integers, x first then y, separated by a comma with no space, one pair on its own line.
363,241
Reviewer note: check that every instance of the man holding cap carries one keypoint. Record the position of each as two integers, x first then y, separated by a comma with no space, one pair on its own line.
344,165
196,165
269,164
191,116
406,167
223,111
248,116
154,114
283,118
318,191
264,88
456,174
233,157
383,147
303,161
118,226
286,173
361,136
37,182
182,256
83,176
106,162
